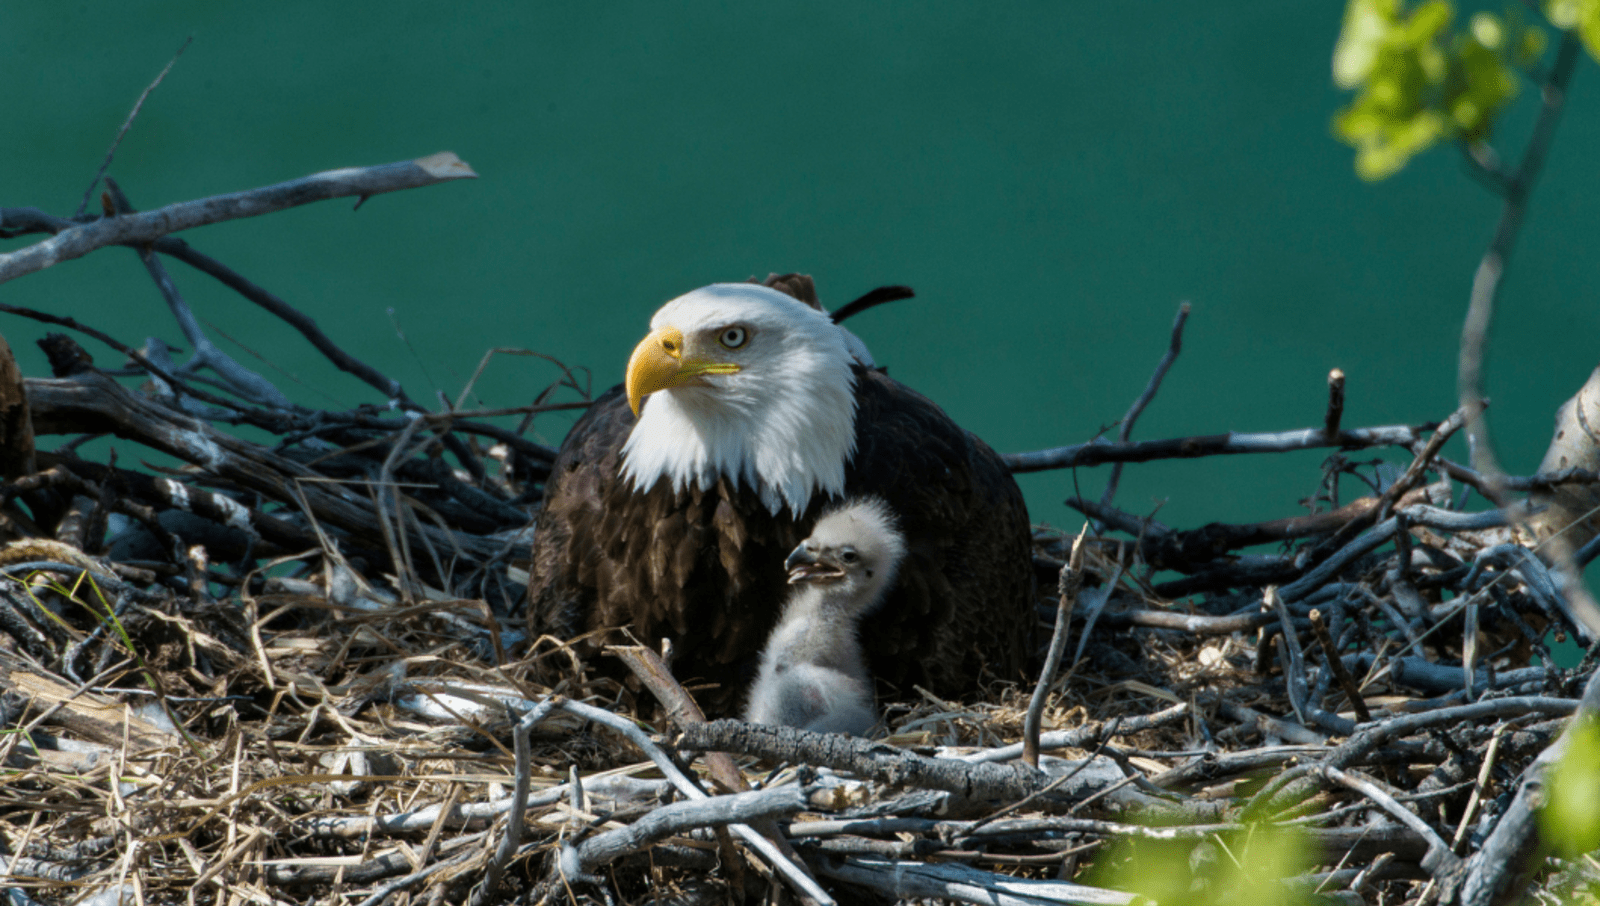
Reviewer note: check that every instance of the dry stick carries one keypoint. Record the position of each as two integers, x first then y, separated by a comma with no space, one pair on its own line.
519,801
1417,514
1232,443
18,221
1480,785
461,399
1439,859
947,881
1408,481
178,384
1330,651
1539,481
627,728
1191,623
877,760
242,380
1287,788
681,708
150,225
1515,838
1330,422
95,402
177,248
1170,356
127,124
383,891
1071,581
581,860
1080,737
683,711
1294,665
872,298
1414,473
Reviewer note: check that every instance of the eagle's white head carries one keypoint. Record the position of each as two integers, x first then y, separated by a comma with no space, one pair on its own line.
744,382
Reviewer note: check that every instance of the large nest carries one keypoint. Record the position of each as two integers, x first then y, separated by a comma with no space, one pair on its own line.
294,669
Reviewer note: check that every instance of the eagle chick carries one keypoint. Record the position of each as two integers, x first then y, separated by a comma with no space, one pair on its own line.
813,674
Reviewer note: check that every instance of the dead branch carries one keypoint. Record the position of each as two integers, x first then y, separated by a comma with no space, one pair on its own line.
80,240
581,860
1071,581
1491,872
876,760
1174,346
955,882
1232,443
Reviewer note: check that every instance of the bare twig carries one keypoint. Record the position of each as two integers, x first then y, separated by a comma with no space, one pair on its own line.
127,123
871,299
240,379
1171,355
971,781
1330,422
768,851
747,808
918,880
1071,580
1294,676
1504,855
1330,653
1439,859
351,181
1094,454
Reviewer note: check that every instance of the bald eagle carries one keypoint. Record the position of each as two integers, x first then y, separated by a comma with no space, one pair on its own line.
676,498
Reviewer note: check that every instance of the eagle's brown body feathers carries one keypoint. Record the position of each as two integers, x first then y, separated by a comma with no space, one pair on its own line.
705,567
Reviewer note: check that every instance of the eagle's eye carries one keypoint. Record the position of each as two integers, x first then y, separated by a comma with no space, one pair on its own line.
849,556
733,337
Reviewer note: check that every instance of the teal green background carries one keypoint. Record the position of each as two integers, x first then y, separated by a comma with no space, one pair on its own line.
1052,178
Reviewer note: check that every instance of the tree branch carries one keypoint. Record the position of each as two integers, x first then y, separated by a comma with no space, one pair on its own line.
1234,442
1174,346
357,181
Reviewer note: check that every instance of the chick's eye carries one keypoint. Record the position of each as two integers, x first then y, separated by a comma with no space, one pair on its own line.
849,556
733,337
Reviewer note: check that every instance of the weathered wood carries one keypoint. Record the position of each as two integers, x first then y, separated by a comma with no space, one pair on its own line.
95,717
883,762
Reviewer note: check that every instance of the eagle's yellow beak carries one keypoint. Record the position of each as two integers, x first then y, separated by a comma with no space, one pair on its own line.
658,363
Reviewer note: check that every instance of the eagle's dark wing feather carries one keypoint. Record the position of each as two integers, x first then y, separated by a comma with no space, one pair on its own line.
964,601
705,568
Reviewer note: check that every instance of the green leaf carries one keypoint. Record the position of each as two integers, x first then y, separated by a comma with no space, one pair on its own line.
1249,866
1580,15
1365,24
1418,82
1569,821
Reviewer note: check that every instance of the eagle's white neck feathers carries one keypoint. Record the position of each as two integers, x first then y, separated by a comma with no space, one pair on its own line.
784,424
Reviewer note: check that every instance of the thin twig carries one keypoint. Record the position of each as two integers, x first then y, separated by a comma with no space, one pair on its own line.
1174,346
1330,421
238,378
1330,653
127,123
150,225
1439,859
1232,443
1071,580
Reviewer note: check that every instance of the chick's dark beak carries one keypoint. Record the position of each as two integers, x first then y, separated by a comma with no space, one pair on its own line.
806,565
